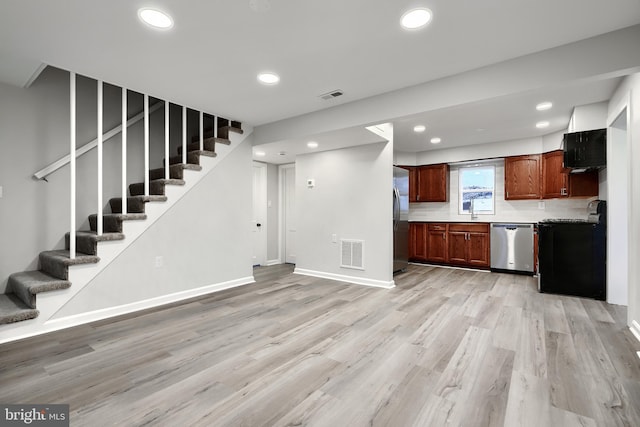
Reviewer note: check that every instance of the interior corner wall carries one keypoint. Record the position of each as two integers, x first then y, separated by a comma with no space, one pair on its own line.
351,198
629,91
273,205
204,239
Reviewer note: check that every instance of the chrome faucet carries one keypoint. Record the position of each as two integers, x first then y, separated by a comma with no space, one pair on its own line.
472,210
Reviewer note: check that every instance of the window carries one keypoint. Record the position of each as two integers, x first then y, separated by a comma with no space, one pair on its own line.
476,190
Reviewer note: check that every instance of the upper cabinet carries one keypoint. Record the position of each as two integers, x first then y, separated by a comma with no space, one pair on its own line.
522,177
428,183
558,182
554,178
433,183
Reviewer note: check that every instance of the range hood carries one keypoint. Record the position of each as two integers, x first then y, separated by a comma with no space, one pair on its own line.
585,151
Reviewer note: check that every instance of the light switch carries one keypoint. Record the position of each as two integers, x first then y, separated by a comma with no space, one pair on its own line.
334,238
0,192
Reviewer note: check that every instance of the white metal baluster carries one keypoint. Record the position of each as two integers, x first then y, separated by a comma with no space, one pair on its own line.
201,131
184,135
124,151
215,126
166,140
146,145
100,116
72,163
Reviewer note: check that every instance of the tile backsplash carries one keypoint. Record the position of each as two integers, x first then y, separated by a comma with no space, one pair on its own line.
505,211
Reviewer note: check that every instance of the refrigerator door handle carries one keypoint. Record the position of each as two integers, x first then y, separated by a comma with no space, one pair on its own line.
396,208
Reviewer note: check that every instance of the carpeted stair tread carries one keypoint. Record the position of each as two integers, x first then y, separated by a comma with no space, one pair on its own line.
176,171
27,284
156,186
112,223
193,157
56,263
12,309
87,241
209,144
135,204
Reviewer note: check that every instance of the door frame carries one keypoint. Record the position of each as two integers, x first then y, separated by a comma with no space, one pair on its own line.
281,212
263,212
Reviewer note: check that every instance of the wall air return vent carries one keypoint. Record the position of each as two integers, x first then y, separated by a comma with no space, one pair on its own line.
333,94
352,254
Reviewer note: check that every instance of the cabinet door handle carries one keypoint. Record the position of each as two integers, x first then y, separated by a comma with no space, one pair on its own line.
444,236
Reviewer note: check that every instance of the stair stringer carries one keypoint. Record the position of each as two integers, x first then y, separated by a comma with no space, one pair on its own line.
49,303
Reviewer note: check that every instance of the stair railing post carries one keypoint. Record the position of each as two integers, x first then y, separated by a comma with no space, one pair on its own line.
124,151
100,126
201,131
166,140
146,145
184,134
72,163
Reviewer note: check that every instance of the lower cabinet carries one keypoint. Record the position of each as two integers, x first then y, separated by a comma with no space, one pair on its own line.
460,244
418,241
437,243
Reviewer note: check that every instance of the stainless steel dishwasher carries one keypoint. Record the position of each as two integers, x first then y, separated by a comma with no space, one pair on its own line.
512,247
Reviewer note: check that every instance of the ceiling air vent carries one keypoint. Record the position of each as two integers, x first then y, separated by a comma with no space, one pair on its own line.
352,254
333,94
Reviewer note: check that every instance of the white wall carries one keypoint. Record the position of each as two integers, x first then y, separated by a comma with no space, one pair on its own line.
628,95
589,117
352,198
480,151
205,239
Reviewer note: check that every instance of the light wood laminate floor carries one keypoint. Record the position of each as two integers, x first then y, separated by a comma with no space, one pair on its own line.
446,347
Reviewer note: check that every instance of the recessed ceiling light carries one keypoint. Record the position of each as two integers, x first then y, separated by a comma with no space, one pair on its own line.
542,125
544,106
312,144
436,140
268,78
260,153
419,128
155,18
416,18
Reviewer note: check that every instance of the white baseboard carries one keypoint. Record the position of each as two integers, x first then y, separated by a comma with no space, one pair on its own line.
635,329
80,319
272,262
349,279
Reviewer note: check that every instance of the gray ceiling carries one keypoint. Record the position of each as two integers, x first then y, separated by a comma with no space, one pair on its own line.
210,59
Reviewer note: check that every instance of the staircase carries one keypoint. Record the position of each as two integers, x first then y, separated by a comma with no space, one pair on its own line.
18,303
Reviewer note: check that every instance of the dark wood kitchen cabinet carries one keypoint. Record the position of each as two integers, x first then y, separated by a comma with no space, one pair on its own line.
522,177
468,244
437,242
460,244
433,183
429,183
418,241
557,182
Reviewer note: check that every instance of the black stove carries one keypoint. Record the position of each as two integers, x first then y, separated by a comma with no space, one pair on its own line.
572,254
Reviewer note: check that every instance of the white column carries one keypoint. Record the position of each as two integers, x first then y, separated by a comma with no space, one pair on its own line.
215,126
100,126
124,150
201,131
167,173
146,145
184,135
72,165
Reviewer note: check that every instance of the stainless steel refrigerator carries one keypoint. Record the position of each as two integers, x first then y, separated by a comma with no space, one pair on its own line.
400,219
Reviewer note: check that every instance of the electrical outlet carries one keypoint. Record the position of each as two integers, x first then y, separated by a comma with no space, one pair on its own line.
0,192
541,205
159,261
334,238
